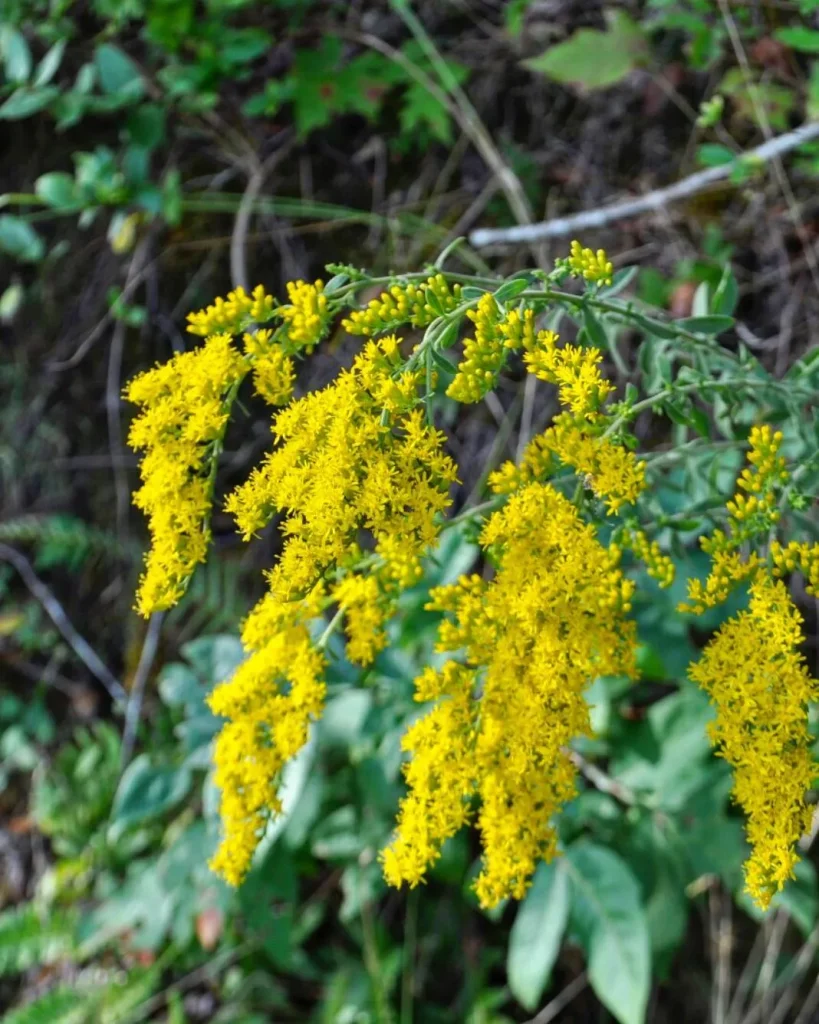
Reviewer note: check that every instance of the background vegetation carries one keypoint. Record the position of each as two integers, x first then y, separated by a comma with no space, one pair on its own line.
156,153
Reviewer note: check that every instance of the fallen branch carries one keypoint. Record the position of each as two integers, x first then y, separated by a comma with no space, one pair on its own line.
560,227
55,612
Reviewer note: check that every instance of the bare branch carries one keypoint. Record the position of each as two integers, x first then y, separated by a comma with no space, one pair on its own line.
560,227
55,612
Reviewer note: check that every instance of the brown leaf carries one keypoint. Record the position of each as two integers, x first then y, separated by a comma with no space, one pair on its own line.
682,299
209,925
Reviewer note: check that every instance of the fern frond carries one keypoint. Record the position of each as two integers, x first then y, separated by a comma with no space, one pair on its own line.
215,601
61,1005
29,938
59,539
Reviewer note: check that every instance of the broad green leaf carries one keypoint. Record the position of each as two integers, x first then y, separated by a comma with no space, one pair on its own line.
214,658
611,923
19,239
146,125
58,189
536,935
593,59
799,37
146,792
713,154
16,54
117,72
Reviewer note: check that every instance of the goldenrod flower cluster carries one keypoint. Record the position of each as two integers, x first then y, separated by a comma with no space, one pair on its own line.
800,556
274,373
233,314
582,389
577,436
184,414
268,703
552,618
358,480
306,317
355,456
484,354
750,516
658,565
415,304
758,681
593,266
755,675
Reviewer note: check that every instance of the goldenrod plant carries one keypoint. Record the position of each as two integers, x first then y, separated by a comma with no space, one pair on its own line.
360,480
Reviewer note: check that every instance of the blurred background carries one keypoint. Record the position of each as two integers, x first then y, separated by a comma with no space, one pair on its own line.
157,153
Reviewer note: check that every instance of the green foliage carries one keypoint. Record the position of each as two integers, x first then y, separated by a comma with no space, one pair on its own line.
29,936
72,798
595,59
537,933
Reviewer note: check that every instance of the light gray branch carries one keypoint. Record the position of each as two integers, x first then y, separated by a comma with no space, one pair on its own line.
560,227
80,646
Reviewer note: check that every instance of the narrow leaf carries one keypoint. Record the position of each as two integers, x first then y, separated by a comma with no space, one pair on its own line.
595,329
707,324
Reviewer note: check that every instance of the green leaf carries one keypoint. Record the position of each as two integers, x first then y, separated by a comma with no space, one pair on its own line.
621,280
594,329
707,324
799,37
47,68
443,363
655,327
713,154
16,54
421,109
726,295
593,59
534,941
509,289
19,239
611,924
146,792
25,102
58,189
118,74
146,125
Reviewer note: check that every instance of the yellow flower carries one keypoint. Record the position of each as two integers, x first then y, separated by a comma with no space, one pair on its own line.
658,565
552,619
233,314
577,436
307,316
750,516
582,388
273,372
798,555
593,266
412,304
184,412
757,679
484,355
341,466
269,704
